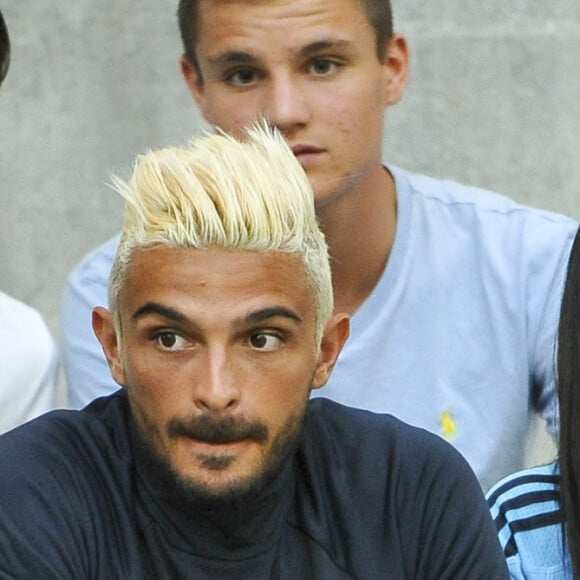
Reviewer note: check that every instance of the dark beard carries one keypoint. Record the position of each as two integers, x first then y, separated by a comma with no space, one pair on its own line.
191,495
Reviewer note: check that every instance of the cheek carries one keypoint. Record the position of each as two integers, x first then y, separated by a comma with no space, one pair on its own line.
350,116
139,370
153,384
232,113
360,128
153,403
291,390
361,100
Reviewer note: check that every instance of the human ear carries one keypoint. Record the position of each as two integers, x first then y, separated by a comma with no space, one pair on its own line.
105,331
396,67
333,339
194,82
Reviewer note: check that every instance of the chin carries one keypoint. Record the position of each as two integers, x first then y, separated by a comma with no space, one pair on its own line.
226,487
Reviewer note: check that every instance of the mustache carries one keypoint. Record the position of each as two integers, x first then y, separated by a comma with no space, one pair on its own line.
211,430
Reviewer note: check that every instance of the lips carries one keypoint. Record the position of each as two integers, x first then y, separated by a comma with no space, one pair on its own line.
306,154
206,447
305,150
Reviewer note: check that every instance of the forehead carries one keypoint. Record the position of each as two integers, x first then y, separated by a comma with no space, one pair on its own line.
215,281
281,21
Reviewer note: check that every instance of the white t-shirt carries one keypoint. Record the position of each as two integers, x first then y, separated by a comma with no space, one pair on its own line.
28,361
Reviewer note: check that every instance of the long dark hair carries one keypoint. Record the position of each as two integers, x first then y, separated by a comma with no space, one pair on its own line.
569,399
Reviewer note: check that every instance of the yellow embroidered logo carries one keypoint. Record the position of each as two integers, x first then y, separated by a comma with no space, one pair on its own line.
448,425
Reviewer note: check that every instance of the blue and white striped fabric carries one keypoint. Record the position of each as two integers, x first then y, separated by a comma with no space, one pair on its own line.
526,509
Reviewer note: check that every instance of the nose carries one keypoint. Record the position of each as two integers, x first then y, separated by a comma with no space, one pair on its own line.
217,391
286,106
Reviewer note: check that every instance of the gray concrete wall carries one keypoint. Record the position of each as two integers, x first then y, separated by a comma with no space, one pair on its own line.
493,100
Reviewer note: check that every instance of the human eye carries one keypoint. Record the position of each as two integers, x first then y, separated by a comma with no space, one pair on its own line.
170,341
265,341
241,77
324,66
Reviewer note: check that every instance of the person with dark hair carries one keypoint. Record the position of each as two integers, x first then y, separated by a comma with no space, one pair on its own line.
28,356
537,511
211,462
453,291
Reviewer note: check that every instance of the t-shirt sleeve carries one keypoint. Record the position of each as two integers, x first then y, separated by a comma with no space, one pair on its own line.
87,372
525,507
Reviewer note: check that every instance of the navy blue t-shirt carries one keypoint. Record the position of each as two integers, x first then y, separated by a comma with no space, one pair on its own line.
365,496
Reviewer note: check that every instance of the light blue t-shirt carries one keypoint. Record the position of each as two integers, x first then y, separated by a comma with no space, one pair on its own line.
525,507
457,337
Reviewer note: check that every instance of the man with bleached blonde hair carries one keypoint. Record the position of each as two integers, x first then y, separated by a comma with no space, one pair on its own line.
224,195
211,462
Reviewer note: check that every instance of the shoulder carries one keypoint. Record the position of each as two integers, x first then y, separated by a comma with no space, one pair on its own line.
24,331
16,314
521,483
525,507
97,264
512,244
463,199
528,498
59,443
393,494
407,453
59,461
68,488
326,415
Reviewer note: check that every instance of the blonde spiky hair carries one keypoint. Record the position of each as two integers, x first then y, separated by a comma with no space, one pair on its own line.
222,192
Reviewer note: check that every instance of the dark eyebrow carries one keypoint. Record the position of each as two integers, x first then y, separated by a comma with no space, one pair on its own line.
266,313
233,57
320,45
156,308
242,57
176,316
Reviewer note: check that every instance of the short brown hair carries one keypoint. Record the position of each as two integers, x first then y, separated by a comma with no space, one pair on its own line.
379,13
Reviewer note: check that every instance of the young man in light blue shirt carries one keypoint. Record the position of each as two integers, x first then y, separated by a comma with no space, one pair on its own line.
454,291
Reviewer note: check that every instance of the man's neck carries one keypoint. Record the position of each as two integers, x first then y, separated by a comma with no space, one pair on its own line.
222,528
360,231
